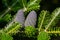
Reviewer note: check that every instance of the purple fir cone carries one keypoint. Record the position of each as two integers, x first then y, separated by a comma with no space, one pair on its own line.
31,19
20,17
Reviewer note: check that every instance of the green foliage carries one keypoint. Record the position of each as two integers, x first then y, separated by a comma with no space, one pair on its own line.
55,17
4,36
44,19
6,17
18,4
33,5
43,36
12,28
30,31
47,20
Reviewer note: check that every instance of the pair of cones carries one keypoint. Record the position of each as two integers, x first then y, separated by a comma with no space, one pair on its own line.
29,21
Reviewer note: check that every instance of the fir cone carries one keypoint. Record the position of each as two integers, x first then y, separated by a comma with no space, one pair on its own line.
20,17
31,19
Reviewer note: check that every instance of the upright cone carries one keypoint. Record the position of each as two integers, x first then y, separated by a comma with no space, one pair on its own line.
31,19
20,17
